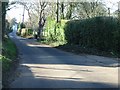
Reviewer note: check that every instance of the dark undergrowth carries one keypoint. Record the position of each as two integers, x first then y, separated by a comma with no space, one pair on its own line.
82,50
9,59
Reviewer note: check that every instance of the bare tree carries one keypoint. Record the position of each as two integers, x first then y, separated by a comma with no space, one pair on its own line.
35,8
39,7
91,9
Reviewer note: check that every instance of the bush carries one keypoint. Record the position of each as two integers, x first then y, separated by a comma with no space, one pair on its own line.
102,33
55,31
24,32
22,25
9,54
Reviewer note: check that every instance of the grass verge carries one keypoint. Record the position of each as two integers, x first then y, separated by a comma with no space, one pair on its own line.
8,58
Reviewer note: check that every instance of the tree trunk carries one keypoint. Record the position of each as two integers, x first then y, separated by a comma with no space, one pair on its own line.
69,12
39,29
62,10
57,11
41,25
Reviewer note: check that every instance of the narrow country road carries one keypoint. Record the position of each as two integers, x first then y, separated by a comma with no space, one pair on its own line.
42,66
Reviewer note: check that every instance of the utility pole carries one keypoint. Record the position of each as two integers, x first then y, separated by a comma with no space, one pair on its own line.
23,14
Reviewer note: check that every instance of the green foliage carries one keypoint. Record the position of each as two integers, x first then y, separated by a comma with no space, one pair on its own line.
22,25
9,54
101,33
6,63
54,32
30,31
25,32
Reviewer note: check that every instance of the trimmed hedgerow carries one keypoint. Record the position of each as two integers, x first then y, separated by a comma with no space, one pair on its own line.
102,33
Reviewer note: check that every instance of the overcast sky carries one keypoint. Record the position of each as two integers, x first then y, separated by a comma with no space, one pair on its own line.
17,12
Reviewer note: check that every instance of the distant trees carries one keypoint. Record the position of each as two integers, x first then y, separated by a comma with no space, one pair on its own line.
40,8
35,9
39,12
92,9
73,10
12,22
5,6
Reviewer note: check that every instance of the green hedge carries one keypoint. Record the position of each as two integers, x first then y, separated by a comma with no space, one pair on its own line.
54,32
102,33
24,32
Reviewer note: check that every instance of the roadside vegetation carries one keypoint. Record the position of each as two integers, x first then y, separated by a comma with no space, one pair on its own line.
101,34
9,54
8,48
8,58
98,36
83,27
78,27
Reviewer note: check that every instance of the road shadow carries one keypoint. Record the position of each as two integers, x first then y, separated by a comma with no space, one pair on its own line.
50,56
29,80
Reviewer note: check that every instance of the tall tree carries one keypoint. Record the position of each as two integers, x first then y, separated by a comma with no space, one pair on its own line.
40,9
70,9
13,22
36,8
27,6
62,10
90,9
57,12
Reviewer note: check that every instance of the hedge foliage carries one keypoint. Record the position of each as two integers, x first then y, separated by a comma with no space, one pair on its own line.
54,32
102,33
24,32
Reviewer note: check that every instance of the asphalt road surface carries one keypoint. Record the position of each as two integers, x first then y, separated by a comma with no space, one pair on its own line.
42,66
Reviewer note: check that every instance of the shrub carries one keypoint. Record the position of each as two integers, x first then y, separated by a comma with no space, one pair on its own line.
102,33
55,31
22,25
9,54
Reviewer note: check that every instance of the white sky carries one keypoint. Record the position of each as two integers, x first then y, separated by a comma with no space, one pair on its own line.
17,12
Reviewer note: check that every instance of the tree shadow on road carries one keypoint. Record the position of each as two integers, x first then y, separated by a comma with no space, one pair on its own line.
48,54
36,57
29,80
